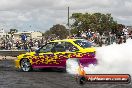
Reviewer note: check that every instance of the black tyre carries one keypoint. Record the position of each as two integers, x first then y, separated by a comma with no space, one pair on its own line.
25,65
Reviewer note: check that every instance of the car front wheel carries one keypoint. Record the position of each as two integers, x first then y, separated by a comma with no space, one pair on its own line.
25,65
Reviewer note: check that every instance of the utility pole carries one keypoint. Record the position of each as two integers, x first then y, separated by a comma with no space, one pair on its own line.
68,22
68,17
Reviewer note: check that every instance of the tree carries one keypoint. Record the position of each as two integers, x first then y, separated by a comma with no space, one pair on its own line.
12,31
57,30
96,22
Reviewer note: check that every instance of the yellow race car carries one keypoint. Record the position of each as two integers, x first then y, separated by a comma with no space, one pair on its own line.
55,54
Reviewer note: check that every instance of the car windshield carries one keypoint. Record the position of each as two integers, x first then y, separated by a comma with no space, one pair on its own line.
83,43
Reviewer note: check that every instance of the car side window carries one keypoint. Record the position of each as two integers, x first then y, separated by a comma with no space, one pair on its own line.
70,47
47,48
59,48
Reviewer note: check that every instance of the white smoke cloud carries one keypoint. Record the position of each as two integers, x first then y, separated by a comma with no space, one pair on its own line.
72,66
115,59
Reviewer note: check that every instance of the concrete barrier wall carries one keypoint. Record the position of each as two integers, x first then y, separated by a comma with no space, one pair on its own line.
12,53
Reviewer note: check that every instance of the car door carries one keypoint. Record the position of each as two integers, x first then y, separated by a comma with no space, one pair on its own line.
63,51
44,57
59,55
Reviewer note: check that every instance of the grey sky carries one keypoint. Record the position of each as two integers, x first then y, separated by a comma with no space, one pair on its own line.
43,14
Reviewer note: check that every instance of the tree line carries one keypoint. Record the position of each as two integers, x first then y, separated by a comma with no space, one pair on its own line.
83,22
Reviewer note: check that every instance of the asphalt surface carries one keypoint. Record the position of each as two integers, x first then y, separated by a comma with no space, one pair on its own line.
46,78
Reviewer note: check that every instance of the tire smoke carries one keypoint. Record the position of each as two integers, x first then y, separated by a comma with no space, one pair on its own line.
112,59
72,66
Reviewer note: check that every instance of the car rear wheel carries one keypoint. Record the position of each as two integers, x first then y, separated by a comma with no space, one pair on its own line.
25,65
72,65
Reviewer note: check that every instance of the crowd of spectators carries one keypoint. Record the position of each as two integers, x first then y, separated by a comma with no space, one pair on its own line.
97,38
9,44
105,38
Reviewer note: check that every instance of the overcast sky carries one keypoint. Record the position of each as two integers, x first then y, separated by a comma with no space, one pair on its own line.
40,15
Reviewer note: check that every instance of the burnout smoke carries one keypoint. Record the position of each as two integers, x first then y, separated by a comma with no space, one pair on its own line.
72,66
112,59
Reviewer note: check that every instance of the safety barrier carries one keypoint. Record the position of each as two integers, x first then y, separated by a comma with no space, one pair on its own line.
12,53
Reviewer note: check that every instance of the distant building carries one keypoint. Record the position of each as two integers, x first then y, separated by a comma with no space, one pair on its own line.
29,35
36,35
